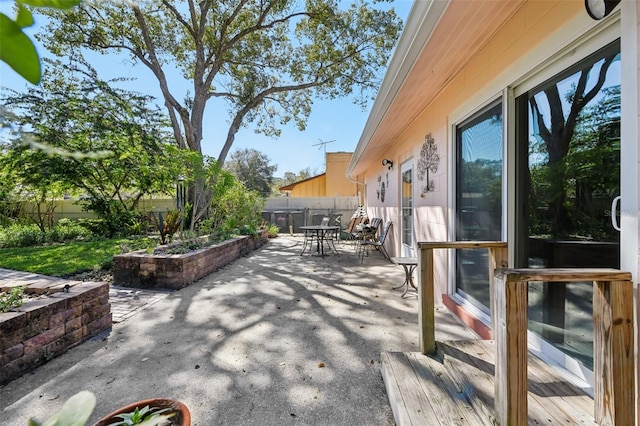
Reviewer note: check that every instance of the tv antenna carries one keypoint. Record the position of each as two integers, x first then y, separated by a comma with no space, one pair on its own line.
323,144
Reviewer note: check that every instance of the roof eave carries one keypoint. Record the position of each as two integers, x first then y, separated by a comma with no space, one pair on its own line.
421,22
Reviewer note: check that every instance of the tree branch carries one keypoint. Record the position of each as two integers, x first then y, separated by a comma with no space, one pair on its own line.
170,101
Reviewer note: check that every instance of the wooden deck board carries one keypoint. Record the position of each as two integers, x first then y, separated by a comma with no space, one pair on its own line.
426,395
460,390
454,405
410,406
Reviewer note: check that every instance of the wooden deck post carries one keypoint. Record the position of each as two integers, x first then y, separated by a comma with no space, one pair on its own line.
498,258
426,302
613,341
510,334
613,350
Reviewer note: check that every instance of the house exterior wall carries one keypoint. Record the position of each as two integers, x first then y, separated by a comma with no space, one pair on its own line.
539,40
313,187
337,184
332,183
479,83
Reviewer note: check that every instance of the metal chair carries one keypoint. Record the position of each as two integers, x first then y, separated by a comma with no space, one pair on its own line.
378,243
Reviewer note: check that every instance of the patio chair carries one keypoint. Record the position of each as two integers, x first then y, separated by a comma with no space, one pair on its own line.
358,217
355,227
378,243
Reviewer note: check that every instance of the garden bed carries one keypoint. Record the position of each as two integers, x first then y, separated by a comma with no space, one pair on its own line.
174,271
43,328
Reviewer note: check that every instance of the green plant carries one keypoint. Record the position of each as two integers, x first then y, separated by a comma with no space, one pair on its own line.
20,235
234,206
67,230
169,225
248,230
140,416
11,300
77,410
18,51
272,229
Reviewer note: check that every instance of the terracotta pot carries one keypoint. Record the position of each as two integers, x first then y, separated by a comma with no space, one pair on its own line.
183,416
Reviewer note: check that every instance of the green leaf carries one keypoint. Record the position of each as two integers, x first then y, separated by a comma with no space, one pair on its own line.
75,412
58,4
24,18
18,50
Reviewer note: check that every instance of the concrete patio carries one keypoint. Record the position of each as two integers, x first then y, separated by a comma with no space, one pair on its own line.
274,338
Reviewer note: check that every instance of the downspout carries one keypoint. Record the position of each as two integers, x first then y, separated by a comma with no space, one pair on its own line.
364,188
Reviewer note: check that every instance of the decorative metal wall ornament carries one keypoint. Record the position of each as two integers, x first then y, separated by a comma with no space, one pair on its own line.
428,162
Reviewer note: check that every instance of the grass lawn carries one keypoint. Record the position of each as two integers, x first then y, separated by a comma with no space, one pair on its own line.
64,259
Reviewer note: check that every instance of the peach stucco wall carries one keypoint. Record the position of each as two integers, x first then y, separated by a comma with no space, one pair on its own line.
466,92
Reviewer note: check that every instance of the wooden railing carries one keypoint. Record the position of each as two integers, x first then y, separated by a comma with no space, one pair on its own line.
613,316
613,342
497,259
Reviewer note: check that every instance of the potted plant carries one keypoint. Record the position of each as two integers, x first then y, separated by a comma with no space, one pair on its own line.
150,412
173,412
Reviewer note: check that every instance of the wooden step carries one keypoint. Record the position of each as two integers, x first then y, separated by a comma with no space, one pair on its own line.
421,392
456,387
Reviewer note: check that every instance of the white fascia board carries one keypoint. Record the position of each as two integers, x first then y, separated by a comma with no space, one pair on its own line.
421,23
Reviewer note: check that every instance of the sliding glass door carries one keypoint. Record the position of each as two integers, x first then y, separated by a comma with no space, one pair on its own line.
569,174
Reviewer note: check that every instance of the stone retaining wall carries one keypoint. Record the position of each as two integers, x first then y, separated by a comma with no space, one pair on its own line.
174,271
45,328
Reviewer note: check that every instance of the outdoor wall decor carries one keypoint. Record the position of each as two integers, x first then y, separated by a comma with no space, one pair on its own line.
381,191
428,162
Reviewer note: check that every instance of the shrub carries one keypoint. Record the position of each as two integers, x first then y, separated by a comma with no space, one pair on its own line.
97,227
234,206
30,235
21,236
116,220
248,230
67,230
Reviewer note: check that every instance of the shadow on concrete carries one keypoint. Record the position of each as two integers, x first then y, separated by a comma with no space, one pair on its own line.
274,338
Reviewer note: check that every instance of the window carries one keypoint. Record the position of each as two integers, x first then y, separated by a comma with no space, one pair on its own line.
478,210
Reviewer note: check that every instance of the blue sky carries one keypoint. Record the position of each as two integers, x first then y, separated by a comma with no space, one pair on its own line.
337,120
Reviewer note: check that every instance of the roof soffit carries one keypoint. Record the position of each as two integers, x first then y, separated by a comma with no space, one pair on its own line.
439,40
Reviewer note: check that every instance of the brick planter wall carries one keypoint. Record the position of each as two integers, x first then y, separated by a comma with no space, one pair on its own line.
45,328
174,271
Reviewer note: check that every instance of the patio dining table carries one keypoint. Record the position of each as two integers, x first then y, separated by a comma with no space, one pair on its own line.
320,233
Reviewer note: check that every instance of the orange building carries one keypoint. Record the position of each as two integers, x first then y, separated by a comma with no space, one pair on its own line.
332,183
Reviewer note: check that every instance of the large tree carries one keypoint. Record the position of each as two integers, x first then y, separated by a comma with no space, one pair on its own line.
268,59
253,169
